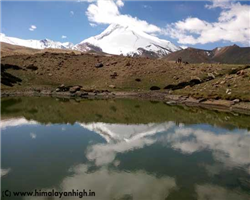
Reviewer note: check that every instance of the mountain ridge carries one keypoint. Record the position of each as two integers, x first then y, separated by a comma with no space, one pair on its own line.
120,40
228,54
35,44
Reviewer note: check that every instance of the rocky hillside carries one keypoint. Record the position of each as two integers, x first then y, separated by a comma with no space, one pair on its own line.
8,50
49,70
230,55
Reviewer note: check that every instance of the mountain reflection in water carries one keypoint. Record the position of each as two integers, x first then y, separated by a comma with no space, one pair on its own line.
171,154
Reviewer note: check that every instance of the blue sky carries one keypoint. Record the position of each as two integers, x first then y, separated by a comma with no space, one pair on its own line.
54,19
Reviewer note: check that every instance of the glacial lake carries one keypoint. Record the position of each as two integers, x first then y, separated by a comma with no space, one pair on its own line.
123,150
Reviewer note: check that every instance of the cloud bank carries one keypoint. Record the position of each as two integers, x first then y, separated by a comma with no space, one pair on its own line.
233,25
107,12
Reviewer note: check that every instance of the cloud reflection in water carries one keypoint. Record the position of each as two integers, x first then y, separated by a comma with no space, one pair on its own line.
230,148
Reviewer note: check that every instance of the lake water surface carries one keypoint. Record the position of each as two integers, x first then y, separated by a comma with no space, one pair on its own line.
123,149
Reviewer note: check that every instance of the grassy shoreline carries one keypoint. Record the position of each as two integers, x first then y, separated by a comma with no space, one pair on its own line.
211,104
216,86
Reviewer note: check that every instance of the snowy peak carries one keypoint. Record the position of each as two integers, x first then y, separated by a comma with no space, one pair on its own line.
35,44
117,39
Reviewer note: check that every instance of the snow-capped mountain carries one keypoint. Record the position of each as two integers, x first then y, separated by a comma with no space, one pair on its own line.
35,44
117,39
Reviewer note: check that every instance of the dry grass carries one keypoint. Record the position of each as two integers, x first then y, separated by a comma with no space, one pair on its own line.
66,68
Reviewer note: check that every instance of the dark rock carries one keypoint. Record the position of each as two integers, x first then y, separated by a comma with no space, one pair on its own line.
9,80
114,75
155,88
32,67
128,64
96,91
138,79
7,66
99,65
84,94
184,84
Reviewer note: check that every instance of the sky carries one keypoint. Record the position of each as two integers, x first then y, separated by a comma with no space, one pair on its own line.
199,24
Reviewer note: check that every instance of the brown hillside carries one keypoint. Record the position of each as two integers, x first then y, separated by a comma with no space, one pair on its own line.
227,55
190,55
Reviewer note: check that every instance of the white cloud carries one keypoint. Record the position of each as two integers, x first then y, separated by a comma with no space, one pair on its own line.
230,149
184,47
114,184
64,36
119,3
12,122
147,6
105,154
4,172
32,28
108,185
92,24
107,12
33,135
220,4
233,25
72,12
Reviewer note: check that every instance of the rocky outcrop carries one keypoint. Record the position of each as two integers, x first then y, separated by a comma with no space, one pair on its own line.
210,76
